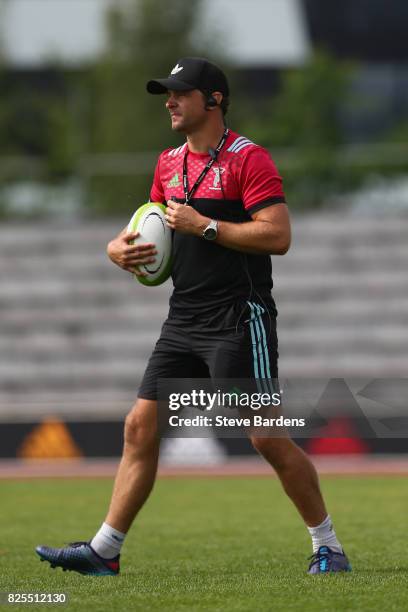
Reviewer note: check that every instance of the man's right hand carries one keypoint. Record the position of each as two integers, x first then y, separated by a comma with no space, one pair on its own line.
129,256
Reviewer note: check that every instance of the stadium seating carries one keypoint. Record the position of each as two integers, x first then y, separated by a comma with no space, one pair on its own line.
76,331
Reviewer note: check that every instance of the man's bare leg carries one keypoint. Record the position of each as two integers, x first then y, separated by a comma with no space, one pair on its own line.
300,481
137,470
134,481
297,475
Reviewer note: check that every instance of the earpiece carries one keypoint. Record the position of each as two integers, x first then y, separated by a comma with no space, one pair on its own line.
211,102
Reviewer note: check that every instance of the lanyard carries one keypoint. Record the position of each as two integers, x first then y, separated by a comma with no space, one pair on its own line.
188,194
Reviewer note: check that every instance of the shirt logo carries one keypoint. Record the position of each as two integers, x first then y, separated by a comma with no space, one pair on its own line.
217,178
175,181
176,69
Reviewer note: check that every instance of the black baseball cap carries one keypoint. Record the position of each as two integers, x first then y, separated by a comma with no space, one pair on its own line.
191,73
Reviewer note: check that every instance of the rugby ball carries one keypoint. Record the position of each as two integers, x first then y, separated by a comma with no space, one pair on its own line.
149,221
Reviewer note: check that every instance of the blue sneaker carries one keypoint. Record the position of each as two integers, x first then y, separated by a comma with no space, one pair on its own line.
79,557
326,560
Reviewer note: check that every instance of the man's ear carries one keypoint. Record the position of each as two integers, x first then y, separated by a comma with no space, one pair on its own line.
217,95
213,100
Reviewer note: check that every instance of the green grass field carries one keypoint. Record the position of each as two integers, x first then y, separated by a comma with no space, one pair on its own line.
211,544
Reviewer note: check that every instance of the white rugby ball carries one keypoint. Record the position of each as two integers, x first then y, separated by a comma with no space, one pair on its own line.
149,221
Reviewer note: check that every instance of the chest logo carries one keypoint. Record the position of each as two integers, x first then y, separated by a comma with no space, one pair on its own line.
175,181
217,178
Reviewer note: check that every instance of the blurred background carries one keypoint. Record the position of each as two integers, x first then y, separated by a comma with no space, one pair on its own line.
323,86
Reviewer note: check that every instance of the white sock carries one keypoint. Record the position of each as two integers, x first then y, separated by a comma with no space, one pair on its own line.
324,535
108,541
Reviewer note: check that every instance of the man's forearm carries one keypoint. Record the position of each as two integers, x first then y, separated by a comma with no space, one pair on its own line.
256,237
268,233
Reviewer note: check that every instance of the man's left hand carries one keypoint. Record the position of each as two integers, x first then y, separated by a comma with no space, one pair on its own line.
185,219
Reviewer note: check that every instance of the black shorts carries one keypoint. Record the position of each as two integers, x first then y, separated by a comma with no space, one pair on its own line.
239,342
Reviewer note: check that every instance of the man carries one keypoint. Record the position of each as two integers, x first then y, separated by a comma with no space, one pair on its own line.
226,206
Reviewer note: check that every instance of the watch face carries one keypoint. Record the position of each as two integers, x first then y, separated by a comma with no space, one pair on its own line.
210,233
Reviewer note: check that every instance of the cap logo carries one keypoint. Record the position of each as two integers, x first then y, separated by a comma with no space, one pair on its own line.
176,69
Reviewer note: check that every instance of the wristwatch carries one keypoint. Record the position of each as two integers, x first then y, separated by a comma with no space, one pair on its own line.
211,231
